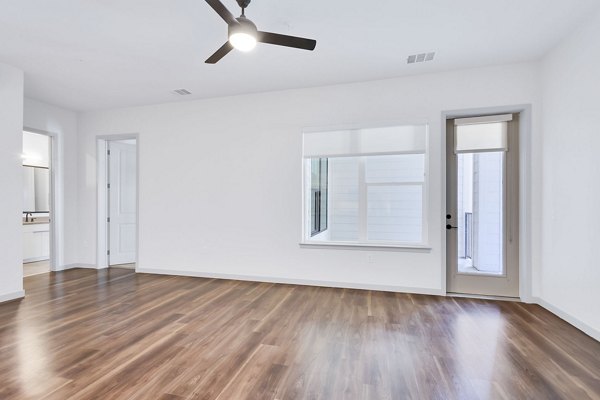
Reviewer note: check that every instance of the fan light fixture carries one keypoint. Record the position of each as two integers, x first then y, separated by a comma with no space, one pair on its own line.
243,35
242,41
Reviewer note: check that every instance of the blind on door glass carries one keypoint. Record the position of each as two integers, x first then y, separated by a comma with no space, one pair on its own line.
481,134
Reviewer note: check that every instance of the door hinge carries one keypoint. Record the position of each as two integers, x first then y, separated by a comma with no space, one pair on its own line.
108,252
108,185
108,152
108,219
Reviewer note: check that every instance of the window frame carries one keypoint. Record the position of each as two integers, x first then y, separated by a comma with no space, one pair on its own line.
308,240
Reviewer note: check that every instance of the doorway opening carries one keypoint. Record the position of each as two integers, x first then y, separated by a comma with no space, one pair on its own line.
482,218
117,202
38,210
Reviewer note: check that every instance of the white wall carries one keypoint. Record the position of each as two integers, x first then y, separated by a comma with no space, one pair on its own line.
11,182
570,283
220,179
62,124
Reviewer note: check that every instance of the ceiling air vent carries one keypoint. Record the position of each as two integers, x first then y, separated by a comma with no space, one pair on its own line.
419,58
182,92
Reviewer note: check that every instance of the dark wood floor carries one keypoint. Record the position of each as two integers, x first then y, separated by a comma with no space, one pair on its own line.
112,334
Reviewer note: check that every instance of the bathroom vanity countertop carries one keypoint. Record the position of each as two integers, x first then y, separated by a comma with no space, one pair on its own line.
37,222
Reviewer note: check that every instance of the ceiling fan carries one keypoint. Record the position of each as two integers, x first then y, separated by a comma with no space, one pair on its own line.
243,34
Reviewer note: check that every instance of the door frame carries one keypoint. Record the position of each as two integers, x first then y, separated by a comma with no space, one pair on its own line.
102,204
525,189
56,199
508,281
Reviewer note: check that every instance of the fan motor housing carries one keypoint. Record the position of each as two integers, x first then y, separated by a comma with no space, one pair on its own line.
243,3
244,26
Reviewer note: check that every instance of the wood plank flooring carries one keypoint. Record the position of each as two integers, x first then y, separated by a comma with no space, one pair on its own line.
38,267
114,334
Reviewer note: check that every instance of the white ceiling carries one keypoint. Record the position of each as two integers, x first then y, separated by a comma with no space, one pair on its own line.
94,54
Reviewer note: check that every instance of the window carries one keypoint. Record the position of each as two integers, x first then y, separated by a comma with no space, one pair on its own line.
366,186
318,196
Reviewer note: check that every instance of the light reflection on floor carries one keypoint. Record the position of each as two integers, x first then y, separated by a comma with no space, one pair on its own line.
474,347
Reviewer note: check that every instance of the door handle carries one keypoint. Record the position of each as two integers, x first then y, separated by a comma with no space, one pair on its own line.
451,227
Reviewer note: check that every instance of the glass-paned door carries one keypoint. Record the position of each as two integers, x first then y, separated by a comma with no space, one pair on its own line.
482,206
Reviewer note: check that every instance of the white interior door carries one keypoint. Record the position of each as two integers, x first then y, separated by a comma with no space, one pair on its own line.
482,219
122,202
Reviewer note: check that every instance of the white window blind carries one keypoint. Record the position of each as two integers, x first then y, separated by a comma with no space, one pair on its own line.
362,142
481,134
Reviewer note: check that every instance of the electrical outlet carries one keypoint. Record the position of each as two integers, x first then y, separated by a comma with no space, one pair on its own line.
370,259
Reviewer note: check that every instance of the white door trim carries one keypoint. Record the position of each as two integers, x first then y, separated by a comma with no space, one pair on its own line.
102,196
525,183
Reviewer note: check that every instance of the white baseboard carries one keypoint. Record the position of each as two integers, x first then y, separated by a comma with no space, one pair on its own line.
12,296
592,332
59,268
577,323
292,281
587,329
35,259
73,266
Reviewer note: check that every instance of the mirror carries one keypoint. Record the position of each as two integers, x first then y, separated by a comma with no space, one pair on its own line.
36,189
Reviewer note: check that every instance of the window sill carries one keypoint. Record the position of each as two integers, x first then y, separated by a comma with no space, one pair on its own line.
366,246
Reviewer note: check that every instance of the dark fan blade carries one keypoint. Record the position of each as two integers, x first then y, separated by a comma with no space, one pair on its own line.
222,11
288,41
222,52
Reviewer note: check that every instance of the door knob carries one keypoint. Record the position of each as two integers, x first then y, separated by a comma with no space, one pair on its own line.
451,227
